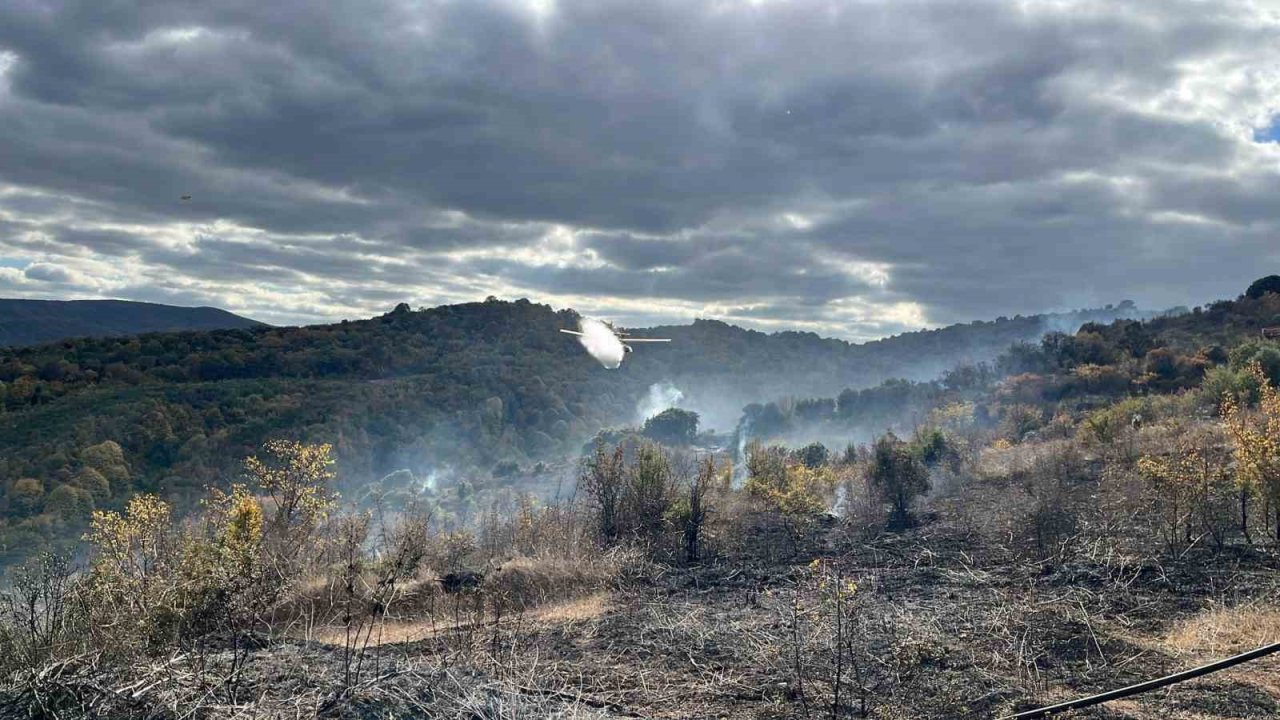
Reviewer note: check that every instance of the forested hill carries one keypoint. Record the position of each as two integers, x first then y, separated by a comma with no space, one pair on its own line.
707,344
446,392
1199,356
720,368
32,322
488,348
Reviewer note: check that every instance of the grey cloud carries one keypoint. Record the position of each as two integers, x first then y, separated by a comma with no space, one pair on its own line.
111,243
46,272
755,273
994,159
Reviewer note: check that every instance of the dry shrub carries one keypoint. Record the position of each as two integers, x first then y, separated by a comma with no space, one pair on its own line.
727,529
857,502
1050,527
1154,439
1113,521
1001,460
528,528
844,651
41,614
1026,494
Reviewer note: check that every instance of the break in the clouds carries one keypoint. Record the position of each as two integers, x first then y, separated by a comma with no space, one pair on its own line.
853,168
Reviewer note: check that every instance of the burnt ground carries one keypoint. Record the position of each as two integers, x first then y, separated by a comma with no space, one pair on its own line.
942,624
943,628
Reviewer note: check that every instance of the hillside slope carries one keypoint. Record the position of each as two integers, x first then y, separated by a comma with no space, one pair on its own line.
445,393
32,322
1033,387
720,368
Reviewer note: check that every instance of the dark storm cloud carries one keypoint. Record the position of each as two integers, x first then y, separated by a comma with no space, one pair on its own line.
105,242
855,167
736,278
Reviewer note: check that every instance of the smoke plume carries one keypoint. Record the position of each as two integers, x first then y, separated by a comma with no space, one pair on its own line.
661,395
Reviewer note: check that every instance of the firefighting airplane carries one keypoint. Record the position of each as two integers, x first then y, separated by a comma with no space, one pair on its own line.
604,343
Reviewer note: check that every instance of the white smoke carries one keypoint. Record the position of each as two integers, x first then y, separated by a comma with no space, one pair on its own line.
840,505
661,395
430,483
740,460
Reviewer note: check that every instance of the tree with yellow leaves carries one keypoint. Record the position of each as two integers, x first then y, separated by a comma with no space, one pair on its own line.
151,583
225,584
133,550
789,491
295,478
131,589
233,524
1255,439
794,490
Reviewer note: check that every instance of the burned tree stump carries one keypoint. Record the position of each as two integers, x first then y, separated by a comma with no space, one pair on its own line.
456,582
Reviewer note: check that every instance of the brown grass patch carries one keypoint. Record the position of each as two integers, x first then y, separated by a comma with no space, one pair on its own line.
1227,631
416,629
591,606
518,584
1222,632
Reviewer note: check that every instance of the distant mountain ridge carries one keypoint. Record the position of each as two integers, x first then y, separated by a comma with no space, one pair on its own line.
33,322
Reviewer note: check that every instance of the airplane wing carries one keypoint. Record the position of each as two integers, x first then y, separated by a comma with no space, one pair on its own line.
571,332
631,339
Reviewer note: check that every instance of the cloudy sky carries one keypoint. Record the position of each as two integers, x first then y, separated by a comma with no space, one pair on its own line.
852,168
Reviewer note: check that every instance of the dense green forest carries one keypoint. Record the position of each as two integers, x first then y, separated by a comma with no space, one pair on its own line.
454,395
31,322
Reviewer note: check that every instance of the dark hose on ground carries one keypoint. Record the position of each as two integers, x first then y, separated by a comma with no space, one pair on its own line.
1146,686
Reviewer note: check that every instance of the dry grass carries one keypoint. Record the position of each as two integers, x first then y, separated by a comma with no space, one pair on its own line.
524,583
417,629
1226,631
519,584
587,608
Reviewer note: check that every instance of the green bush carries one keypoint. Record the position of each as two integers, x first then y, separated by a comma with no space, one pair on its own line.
1223,381
1265,353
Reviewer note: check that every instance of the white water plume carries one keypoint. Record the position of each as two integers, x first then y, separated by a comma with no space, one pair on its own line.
601,342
